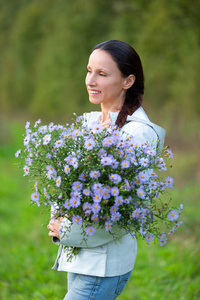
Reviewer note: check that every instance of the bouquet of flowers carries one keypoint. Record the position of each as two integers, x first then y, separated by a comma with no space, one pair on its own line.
99,178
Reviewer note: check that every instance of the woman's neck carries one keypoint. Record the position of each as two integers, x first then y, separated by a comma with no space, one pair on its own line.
105,117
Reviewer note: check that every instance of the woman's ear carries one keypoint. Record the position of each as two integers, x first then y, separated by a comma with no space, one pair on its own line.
129,81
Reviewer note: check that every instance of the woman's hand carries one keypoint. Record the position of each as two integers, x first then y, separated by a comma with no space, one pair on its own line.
54,226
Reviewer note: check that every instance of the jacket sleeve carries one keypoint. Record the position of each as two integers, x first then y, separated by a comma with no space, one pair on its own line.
72,235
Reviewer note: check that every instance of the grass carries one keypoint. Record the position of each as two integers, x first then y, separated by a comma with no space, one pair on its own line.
27,254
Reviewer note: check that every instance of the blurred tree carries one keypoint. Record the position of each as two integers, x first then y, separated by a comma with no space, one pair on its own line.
45,47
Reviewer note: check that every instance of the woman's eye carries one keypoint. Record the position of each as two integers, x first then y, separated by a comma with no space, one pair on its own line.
102,74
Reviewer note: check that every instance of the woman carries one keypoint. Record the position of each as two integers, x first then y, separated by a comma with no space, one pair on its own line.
115,81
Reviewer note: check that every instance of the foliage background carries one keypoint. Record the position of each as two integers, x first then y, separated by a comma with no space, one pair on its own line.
44,49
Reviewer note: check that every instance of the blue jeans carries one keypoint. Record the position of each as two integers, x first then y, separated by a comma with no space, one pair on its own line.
85,287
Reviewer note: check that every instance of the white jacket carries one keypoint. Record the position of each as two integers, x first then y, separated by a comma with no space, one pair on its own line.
103,257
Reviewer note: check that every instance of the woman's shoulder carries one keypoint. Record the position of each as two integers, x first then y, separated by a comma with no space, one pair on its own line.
139,125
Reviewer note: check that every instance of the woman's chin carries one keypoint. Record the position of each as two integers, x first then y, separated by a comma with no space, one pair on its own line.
94,101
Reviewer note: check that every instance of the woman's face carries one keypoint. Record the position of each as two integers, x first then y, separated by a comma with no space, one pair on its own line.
104,82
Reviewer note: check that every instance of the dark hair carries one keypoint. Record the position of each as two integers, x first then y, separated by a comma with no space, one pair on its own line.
128,62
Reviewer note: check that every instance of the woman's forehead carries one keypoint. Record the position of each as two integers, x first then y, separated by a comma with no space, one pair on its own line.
101,59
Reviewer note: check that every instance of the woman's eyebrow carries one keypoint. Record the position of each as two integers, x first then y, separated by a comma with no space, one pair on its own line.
99,69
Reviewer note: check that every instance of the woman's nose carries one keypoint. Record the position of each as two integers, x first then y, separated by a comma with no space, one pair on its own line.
90,79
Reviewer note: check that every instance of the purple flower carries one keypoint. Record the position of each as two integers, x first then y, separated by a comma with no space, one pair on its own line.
74,162
66,169
90,230
169,153
27,140
119,200
108,225
173,215
76,194
89,144
50,175
120,153
35,197
95,207
142,231
141,193
27,125
153,175
125,164
18,153
77,185
106,193
114,191
64,135
115,216
114,209
153,184
102,153
95,174
96,127
116,133
96,198
178,224
45,194
161,164
169,182
136,213
128,200
68,159
29,161
88,212
86,206
162,235
98,194
181,208
106,161
50,168
108,141
143,177
163,241
97,186
162,185
115,178
150,151
58,181
76,132
46,139
51,127
95,218
42,129
86,192
82,177
77,219
144,162
74,202
114,163
26,170
127,185
134,161
37,123
149,237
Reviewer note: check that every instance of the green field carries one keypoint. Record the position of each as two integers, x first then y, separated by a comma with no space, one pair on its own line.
27,254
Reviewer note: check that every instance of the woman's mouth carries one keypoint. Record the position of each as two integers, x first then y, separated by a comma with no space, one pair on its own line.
94,92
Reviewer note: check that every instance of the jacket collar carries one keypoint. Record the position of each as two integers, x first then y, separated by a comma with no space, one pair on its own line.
139,114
